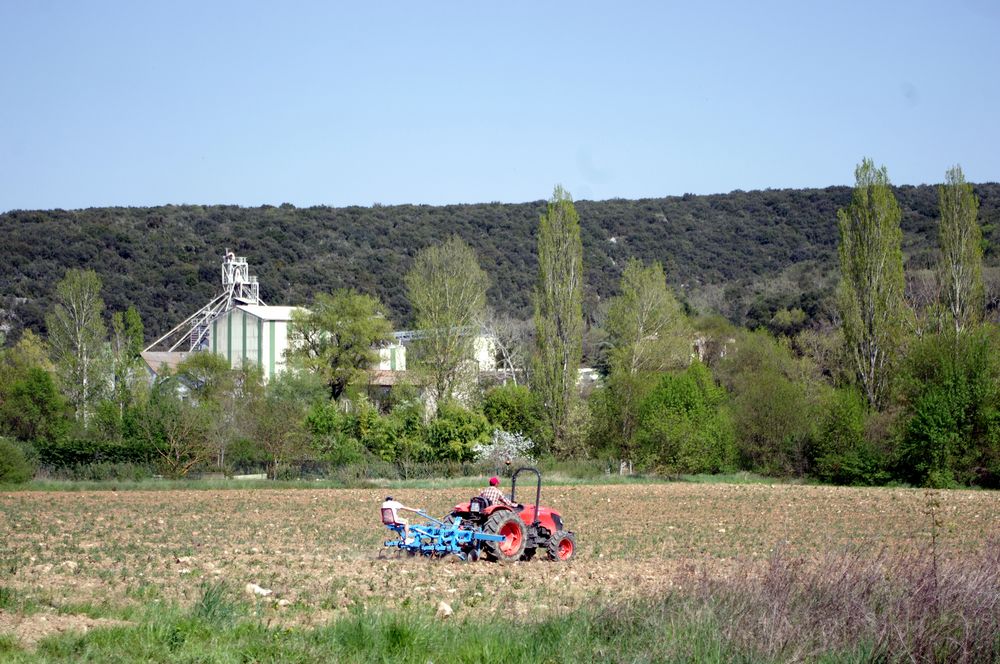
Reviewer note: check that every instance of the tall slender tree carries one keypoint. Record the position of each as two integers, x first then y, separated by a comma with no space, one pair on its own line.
960,271
126,345
77,337
447,290
558,311
871,290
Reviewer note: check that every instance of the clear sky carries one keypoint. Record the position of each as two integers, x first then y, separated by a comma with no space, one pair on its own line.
145,103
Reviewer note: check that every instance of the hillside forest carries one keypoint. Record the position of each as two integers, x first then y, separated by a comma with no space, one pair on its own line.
846,335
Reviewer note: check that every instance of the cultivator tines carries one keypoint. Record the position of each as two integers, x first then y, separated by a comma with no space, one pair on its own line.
438,538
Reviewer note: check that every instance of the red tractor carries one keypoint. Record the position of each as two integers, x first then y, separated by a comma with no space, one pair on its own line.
526,529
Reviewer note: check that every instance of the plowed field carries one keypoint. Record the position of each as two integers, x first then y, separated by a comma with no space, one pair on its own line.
318,550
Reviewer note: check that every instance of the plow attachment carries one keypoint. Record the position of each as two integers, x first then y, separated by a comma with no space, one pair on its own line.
439,538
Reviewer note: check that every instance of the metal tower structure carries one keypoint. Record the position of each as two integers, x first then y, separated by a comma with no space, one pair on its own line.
238,287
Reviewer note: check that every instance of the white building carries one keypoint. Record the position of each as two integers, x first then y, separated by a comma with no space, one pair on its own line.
252,334
258,335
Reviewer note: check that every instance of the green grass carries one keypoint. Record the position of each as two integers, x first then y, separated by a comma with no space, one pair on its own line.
217,629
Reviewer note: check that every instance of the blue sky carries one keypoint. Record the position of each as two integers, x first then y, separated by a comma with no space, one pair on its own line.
145,103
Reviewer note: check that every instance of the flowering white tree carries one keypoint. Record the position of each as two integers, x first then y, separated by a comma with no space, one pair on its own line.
504,446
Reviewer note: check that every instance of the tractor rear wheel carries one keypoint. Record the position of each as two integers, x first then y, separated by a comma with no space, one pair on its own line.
562,546
509,525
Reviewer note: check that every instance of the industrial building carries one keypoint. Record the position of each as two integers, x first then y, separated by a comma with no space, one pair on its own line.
240,327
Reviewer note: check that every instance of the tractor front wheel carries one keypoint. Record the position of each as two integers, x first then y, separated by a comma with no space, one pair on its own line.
562,546
509,525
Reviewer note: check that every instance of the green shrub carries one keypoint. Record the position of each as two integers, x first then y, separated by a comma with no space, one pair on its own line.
33,409
841,453
104,471
14,467
455,431
776,400
69,453
684,427
951,433
514,408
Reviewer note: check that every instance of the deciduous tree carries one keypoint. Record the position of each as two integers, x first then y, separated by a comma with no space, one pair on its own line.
126,345
277,426
447,290
646,325
558,311
338,338
77,337
648,332
960,270
511,337
177,429
871,288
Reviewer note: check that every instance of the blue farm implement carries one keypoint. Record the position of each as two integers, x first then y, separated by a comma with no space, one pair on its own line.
505,532
440,538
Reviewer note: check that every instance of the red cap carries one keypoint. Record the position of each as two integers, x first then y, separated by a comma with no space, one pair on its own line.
494,481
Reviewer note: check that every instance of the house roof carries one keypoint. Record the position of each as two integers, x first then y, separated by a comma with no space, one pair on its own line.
155,360
269,313
386,378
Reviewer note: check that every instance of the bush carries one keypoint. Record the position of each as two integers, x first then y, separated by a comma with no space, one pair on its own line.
514,408
842,454
455,432
245,456
952,429
78,452
775,404
683,426
105,471
33,409
14,467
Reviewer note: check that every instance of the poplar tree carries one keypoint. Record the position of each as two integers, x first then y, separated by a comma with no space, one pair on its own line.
960,271
447,290
871,290
558,310
126,345
77,337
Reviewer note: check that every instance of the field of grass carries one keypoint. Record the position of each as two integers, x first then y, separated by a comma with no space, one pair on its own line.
684,570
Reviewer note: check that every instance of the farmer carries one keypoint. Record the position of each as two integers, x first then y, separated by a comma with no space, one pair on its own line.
494,495
390,517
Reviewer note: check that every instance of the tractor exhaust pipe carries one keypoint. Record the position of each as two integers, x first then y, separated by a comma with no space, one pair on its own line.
538,490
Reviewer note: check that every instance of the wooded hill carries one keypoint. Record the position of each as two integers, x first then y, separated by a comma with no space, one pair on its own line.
744,255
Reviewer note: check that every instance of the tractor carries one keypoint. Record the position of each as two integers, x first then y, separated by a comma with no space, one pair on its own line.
526,529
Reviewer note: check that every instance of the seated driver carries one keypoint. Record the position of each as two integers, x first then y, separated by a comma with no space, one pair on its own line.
390,517
494,495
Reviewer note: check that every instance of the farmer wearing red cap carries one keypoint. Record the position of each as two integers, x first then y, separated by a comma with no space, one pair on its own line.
493,494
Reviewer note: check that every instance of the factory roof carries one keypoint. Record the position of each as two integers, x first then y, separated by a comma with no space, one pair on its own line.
269,313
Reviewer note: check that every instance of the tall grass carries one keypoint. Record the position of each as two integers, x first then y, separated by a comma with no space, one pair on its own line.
917,607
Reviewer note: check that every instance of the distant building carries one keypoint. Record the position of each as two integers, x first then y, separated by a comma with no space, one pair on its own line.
252,334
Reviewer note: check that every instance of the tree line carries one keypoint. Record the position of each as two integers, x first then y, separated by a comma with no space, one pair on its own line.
743,255
897,383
